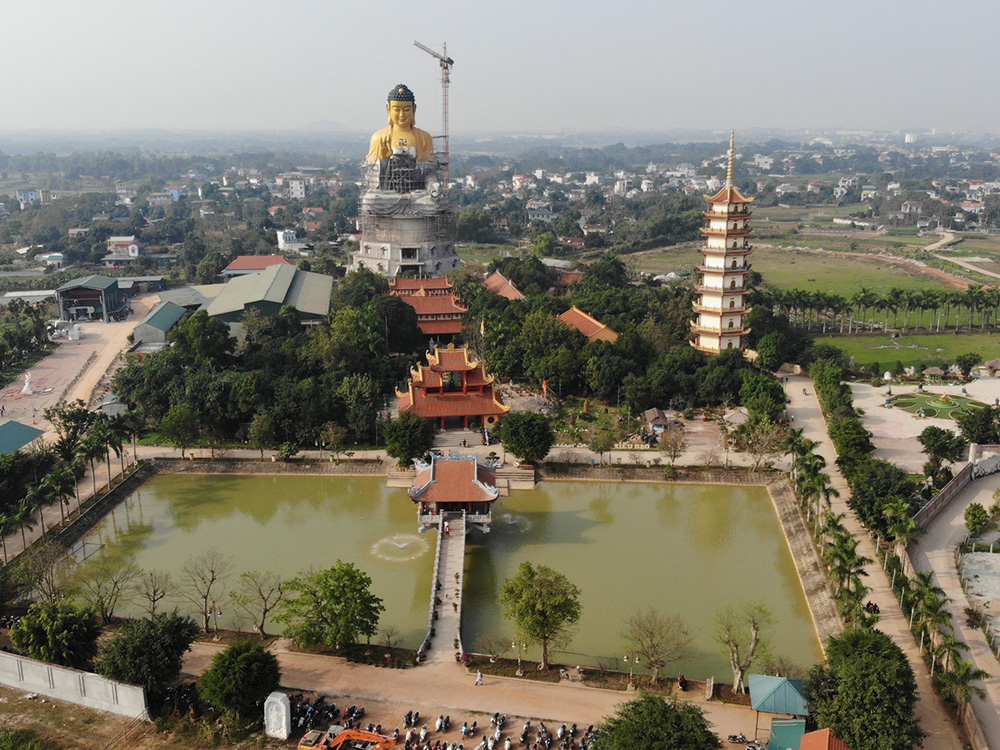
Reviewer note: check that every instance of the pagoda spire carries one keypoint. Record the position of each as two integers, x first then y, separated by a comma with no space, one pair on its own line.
732,157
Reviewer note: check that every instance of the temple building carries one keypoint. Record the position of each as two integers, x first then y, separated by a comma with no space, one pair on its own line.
454,484
588,325
721,306
439,308
452,390
407,222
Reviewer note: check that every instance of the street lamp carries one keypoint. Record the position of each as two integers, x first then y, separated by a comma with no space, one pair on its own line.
632,659
519,672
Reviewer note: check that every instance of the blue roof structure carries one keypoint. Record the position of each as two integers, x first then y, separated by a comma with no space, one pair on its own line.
777,695
14,436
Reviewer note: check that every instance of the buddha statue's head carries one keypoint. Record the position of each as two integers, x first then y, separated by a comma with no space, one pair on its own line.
401,107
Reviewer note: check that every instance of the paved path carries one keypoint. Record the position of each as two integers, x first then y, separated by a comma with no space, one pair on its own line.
451,570
447,688
942,732
935,552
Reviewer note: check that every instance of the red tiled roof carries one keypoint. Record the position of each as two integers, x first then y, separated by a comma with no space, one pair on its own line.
499,284
440,327
436,304
275,209
822,739
450,480
256,262
312,226
450,404
450,360
585,324
728,194
402,283
568,278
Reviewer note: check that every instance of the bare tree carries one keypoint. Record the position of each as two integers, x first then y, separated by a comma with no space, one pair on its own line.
739,632
492,644
203,579
390,636
761,440
672,442
103,583
46,572
257,594
659,639
153,586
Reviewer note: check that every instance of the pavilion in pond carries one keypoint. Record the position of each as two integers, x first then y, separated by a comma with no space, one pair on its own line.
454,484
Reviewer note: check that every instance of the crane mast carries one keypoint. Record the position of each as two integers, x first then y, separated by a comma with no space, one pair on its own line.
446,63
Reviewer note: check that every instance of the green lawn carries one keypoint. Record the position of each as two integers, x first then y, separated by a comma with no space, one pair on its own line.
790,269
914,350
945,405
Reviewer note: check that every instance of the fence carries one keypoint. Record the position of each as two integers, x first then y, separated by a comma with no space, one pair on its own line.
978,466
71,685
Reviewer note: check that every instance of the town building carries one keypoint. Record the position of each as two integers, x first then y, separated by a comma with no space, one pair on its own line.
16,435
454,484
499,284
90,298
721,306
439,308
247,264
452,390
153,329
275,287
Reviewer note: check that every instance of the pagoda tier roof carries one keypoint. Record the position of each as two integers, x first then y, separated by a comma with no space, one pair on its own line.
728,194
450,360
426,377
453,478
434,304
406,284
440,327
452,404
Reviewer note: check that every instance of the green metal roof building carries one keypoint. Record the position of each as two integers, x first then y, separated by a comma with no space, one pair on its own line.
272,289
15,435
154,327
90,297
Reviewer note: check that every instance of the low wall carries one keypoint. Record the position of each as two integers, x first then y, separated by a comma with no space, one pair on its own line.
941,499
70,685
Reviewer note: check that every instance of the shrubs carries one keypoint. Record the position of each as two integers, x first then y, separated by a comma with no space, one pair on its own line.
976,519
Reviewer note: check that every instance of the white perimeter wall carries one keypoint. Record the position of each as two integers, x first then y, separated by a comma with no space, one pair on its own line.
72,686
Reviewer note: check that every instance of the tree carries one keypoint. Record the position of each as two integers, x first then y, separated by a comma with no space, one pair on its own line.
203,580
331,607
103,583
408,437
602,441
739,632
770,351
976,519
659,639
71,423
59,633
650,721
180,426
332,438
148,653
942,444
527,435
967,361
152,586
672,442
240,679
257,594
760,439
262,433
958,681
543,605
980,425
866,693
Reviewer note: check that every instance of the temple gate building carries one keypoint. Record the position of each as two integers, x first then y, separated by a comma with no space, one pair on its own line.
451,387
439,308
721,306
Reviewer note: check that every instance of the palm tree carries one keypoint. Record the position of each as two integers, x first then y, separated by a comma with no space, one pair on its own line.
934,617
958,681
947,650
903,528
89,450
118,432
102,434
59,484
24,515
37,498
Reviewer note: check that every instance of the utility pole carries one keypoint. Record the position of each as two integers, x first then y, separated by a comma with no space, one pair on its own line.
446,63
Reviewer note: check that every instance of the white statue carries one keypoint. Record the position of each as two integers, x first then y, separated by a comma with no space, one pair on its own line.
28,390
277,716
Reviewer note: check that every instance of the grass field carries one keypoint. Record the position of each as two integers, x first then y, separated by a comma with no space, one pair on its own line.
932,349
945,405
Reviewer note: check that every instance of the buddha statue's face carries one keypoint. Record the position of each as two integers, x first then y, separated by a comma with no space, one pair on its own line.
401,114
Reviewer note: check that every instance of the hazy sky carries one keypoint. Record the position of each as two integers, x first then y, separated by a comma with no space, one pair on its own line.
519,65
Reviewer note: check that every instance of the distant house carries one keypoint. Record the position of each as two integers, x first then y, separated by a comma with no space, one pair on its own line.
589,326
153,329
288,241
246,264
270,290
122,250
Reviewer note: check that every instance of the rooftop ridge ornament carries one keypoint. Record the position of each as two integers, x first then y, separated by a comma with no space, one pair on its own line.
732,157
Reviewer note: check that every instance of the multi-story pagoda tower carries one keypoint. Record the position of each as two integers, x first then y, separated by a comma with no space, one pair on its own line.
721,306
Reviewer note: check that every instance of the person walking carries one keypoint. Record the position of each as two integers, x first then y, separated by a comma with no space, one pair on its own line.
479,677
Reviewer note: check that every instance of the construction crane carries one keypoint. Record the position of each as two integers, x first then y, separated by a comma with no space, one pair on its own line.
446,63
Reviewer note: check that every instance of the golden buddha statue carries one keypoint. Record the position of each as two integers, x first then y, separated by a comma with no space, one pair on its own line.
401,137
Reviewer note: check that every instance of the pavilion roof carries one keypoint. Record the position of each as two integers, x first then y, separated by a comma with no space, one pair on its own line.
455,404
407,284
454,478
728,194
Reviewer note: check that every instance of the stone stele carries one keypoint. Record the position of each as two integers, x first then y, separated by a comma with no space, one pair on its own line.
277,716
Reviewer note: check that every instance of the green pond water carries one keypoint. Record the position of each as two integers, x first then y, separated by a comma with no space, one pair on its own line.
688,550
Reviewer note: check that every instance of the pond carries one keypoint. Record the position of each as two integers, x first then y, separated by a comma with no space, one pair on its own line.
688,550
